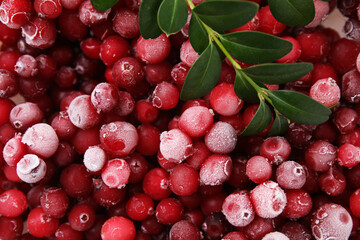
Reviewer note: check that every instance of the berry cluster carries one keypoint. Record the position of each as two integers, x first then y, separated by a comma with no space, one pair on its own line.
101,147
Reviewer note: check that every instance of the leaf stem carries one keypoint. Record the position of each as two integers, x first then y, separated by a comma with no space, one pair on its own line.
191,4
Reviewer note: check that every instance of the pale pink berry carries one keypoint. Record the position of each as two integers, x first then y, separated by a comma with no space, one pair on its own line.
31,168
215,170
175,145
94,158
221,138
325,91
116,173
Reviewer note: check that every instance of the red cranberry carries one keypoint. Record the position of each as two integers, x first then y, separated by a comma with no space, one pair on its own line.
332,182
127,72
298,204
118,226
8,60
153,50
275,149
215,170
48,8
157,73
325,91
82,113
116,173
76,181
155,184
331,220
24,115
91,47
320,155
112,49
184,180
258,169
294,54
15,14
314,46
54,202
343,54
291,175
268,23
41,225
14,150
125,23
11,228
187,54
169,211
215,226
39,32
183,230
13,203
71,26
65,231
88,15
296,231
139,207
81,217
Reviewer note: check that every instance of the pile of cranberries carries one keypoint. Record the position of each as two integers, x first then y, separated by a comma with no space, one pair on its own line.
101,147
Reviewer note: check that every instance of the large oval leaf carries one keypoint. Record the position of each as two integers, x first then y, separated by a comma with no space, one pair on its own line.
298,107
148,24
103,5
280,125
203,75
244,90
278,73
293,12
255,47
198,35
225,15
260,121
172,16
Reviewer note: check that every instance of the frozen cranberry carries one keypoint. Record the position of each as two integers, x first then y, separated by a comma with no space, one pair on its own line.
145,112
345,119
321,10
81,217
187,54
63,126
332,182
41,139
76,181
200,154
348,155
104,97
268,23
139,207
54,202
258,169
125,105
94,159
116,173
314,46
9,36
224,100
326,131
26,66
169,211
15,14
184,230
39,32
65,232
118,226
196,120
41,225
221,138
8,84
14,150
119,138
153,50
71,26
296,231
323,70
268,199
178,73
149,140
331,221
165,96
113,48
175,145
11,174
8,60
125,23
258,228
350,86
275,149
13,203
106,196
354,203
155,184
82,113
184,180
66,77
325,91
298,204
24,115
48,8
71,4
215,170
127,72
11,228
320,155
343,54
291,175
238,209
275,236
88,15
31,168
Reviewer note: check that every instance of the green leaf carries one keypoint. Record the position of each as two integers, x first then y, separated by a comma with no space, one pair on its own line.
244,90
172,16
293,12
278,73
255,47
203,75
103,5
198,35
279,126
148,24
260,121
225,15
298,107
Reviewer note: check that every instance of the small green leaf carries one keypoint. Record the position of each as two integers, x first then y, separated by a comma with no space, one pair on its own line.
293,12
255,47
278,73
260,121
103,5
279,126
148,24
198,35
298,107
203,75
172,16
244,90
225,15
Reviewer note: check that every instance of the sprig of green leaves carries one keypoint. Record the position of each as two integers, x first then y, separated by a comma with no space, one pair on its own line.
210,20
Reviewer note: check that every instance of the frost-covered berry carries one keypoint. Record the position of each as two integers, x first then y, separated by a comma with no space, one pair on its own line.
31,168
215,170
175,145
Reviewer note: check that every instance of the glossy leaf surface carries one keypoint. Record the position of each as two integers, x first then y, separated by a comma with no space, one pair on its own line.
260,121
148,24
172,16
